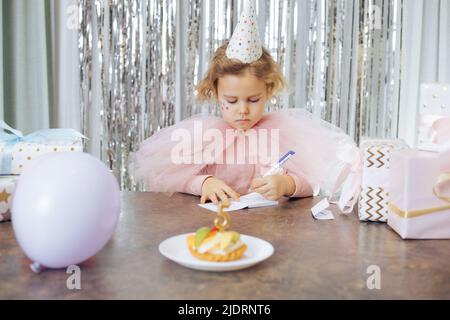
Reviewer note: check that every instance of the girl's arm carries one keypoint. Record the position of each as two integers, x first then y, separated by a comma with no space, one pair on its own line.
273,187
194,184
302,186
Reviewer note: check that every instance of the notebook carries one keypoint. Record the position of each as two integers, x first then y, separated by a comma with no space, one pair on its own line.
251,200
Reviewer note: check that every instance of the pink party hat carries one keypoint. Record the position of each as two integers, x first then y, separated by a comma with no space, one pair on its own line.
245,44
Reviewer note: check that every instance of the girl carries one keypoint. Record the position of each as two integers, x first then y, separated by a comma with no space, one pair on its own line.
241,78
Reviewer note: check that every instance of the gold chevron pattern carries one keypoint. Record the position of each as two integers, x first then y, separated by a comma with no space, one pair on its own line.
377,156
369,201
373,204
380,157
369,158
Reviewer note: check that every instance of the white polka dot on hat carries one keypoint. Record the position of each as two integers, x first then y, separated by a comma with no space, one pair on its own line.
245,44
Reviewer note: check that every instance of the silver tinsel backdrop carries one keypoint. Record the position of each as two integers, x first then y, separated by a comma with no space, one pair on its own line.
141,61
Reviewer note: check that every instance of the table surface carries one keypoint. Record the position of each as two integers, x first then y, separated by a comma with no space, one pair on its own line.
312,260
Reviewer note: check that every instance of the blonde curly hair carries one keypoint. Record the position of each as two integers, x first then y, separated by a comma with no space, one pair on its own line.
265,68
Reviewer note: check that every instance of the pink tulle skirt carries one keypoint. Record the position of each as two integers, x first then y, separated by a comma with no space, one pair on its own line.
324,153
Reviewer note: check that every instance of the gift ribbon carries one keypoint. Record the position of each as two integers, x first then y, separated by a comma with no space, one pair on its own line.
14,136
442,180
349,181
439,128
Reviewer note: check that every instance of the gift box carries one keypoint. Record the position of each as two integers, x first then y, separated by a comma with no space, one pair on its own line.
434,117
7,185
419,202
373,199
17,150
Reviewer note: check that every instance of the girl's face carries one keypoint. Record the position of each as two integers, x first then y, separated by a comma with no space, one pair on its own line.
242,99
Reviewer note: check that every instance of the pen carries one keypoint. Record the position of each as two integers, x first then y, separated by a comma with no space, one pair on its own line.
277,165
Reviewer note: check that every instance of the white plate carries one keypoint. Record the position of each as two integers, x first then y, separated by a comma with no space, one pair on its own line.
176,249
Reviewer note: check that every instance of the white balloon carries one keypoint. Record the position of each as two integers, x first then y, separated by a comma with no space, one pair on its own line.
65,207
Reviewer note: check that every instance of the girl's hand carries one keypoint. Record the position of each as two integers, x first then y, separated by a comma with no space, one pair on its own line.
274,187
216,190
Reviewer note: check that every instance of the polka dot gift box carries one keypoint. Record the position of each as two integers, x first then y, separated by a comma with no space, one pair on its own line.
433,132
7,185
245,45
17,151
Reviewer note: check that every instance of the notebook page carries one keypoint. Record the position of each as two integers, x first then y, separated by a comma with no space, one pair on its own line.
256,200
234,205
251,200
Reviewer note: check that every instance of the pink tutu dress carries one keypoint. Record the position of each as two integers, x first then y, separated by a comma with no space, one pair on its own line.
325,159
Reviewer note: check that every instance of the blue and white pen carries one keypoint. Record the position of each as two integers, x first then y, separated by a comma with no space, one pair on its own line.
275,168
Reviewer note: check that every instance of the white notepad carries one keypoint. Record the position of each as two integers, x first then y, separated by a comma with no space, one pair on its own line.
251,200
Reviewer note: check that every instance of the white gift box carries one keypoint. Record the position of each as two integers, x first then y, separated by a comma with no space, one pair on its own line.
7,185
17,150
23,153
434,108
374,194
418,207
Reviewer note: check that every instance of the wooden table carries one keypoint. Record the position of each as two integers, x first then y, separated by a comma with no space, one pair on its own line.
312,259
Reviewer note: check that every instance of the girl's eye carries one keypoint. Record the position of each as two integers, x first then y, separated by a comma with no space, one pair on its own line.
232,101
254,101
